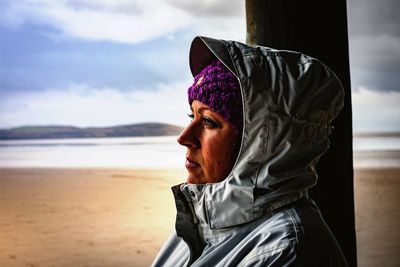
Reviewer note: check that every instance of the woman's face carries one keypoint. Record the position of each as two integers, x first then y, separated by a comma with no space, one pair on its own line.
211,143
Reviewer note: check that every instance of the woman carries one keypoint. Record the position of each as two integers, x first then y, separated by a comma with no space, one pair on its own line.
260,121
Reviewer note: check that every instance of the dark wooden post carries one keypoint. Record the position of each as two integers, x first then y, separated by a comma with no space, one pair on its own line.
319,29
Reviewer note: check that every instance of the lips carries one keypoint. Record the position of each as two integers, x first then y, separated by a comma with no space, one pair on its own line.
191,163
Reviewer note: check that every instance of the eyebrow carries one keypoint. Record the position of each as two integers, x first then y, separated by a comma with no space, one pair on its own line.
200,110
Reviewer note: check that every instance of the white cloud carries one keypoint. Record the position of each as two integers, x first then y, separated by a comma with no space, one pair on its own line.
374,111
211,8
79,105
125,21
230,29
99,20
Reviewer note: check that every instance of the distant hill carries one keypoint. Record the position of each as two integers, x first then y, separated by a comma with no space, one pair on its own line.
50,132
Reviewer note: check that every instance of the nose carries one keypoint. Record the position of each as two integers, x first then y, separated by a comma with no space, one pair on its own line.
189,137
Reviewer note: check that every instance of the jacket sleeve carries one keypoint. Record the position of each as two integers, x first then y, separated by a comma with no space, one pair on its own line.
278,257
289,256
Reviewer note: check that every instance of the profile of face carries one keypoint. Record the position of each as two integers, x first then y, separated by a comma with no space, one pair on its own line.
211,144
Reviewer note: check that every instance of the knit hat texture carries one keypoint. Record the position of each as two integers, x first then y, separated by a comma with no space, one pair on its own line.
217,87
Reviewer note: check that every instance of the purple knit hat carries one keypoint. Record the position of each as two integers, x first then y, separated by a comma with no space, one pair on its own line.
217,87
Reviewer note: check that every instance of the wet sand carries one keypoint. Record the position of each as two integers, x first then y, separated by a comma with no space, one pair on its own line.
120,217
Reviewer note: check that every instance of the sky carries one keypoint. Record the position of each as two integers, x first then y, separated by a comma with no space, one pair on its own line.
103,63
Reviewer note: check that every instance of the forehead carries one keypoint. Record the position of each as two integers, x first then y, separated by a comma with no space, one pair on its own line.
199,106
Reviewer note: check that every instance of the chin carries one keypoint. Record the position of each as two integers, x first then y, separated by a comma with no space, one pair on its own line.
193,179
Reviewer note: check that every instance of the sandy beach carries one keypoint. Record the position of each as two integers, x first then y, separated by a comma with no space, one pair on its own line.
377,206
120,217
84,217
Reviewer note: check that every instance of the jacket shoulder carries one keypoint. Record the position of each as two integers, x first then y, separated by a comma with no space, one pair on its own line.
301,239
174,252
274,242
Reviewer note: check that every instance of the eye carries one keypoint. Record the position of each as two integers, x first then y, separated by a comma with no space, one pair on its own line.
191,116
209,122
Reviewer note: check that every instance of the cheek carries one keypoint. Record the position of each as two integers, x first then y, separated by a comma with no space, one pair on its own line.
219,154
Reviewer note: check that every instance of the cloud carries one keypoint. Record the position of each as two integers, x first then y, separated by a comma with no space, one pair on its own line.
31,62
374,111
118,21
229,29
123,58
371,17
381,49
211,8
375,62
81,105
374,42
124,21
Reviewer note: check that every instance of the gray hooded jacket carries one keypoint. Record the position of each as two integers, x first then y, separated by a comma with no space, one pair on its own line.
260,215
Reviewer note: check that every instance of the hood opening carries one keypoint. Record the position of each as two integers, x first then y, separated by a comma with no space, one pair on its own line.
204,49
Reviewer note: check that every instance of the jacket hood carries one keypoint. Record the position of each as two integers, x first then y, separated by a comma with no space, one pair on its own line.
289,100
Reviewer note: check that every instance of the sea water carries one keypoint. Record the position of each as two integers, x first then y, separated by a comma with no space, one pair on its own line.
376,151
152,152
124,152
